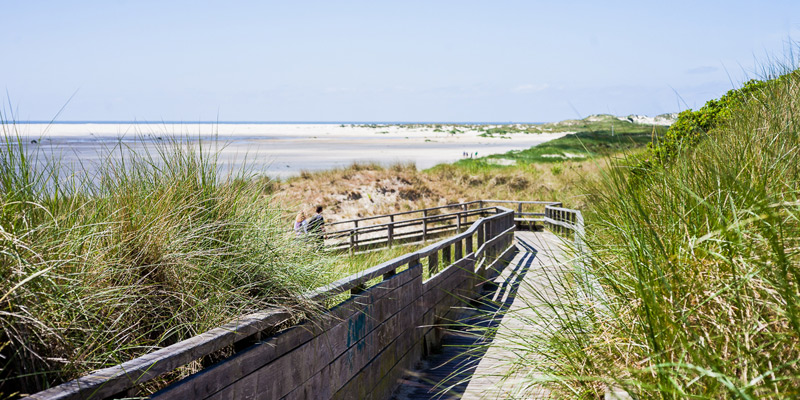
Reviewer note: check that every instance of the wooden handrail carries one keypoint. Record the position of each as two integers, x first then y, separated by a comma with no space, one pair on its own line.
359,278
566,219
351,238
404,212
454,205
431,218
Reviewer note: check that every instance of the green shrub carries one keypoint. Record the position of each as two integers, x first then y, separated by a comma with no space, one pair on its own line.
691,126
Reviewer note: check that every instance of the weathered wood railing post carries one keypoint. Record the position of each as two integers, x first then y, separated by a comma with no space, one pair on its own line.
357,289
488,235
390,233
433,263
352,242
481,232
458,222
424,225
355,230
446,258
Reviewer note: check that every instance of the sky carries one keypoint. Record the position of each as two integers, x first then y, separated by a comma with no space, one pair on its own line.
500,61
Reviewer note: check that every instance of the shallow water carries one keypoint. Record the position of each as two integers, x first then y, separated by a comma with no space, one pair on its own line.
273,150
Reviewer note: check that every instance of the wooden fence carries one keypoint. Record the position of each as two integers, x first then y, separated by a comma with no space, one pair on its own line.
358,349
418,226
567,221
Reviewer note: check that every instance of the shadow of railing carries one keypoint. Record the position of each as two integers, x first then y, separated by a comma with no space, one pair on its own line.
445,375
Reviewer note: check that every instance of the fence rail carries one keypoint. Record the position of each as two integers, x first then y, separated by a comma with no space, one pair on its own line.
425,224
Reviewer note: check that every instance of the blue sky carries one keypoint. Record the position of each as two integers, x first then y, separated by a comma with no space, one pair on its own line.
380,60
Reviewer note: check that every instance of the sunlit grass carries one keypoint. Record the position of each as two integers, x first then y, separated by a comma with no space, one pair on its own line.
698,266
154,247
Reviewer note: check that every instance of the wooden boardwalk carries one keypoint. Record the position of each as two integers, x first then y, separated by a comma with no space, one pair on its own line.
466,368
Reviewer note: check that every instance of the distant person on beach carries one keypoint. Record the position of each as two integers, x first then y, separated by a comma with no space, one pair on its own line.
300,224
316,226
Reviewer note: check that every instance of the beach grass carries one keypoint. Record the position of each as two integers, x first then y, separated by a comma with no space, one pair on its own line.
153,248
695,268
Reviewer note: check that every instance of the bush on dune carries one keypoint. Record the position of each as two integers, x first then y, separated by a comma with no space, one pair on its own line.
690,126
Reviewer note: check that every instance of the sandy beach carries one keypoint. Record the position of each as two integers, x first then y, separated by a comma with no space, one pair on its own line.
279,150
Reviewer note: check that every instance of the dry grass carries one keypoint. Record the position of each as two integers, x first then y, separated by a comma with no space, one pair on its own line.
363,190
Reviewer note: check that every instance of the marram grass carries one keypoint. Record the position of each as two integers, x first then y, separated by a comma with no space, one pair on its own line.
699,266
155,247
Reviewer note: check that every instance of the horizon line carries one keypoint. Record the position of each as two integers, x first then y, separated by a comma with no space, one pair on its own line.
38,122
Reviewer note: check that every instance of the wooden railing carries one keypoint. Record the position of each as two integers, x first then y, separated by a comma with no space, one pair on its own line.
358,349
566,221
422,225
569,222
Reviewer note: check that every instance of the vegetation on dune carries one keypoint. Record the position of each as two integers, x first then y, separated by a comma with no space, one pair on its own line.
361,190
550,171
157,247
595,137
691,126
691,290
152,249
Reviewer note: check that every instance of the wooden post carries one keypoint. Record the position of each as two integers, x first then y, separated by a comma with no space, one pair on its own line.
355,230
458,222
390,234
352,242
414,262
446,256
459,253
357,289
433,263
424,225
468,244
481,232
546,216
489,236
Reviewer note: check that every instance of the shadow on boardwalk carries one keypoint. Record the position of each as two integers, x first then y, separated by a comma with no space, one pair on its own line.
445,375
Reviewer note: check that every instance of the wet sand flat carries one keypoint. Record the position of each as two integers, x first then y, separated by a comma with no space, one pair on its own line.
278,150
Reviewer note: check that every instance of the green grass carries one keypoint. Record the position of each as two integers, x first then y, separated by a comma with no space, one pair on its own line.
155,248
696,267
595,137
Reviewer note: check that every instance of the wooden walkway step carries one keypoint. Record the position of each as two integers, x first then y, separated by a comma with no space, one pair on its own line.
466,368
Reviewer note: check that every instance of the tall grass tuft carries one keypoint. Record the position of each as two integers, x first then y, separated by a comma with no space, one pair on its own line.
103,263
699,267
